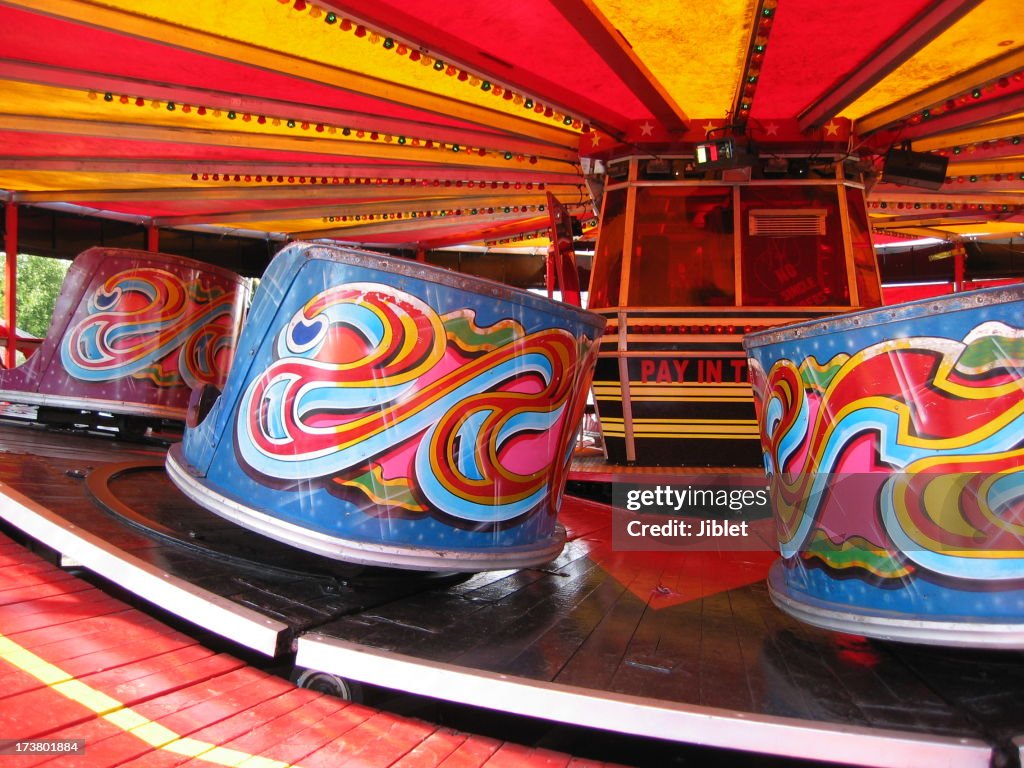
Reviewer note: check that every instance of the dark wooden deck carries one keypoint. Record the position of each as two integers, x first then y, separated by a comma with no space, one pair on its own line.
119,688
692,642
679,646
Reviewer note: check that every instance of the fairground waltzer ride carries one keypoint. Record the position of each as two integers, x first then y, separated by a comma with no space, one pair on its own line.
745,329
386,412
133,333
892,439
690,257
389,413
370,483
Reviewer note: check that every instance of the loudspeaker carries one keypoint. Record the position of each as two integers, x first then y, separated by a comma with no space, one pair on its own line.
914,169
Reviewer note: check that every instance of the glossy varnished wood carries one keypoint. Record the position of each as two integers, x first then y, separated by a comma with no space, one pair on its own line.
77,664
681,629
693,629
276,580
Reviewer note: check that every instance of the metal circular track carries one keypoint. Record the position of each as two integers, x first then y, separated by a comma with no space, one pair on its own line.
205,533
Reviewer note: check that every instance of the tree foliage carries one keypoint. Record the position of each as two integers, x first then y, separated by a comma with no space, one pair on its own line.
39,282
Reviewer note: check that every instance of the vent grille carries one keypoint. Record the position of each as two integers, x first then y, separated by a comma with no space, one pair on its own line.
784,222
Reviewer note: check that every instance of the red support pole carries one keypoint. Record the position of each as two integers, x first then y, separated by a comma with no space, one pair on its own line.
152,239
11,277
549,269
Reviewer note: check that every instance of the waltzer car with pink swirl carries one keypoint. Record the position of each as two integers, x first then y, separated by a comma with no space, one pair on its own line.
133,333
382,411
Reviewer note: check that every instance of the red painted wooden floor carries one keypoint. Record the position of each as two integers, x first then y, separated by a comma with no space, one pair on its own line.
76,663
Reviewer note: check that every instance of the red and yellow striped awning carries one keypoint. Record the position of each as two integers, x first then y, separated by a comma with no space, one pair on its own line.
421,124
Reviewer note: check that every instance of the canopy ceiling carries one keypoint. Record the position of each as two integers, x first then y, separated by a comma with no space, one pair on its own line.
422,124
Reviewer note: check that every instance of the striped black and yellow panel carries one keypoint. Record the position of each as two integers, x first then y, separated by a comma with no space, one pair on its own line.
673,423
672,388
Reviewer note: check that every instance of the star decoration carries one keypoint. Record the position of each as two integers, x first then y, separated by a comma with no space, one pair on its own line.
647,129
595,139
832,128
772,129
709,126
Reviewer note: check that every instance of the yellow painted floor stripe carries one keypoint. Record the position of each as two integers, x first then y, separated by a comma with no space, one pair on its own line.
125,718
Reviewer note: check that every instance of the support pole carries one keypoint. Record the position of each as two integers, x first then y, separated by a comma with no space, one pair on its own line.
152,239
959,267
11,277
549,270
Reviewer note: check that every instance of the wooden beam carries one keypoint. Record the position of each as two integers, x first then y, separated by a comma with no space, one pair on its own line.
934,222
11,278
947,89
96,14
936,19
497,233
970,191
958,120
893,195
1004,166
439,43
352,209
1002,129
465,229
922,232
272,142
608,42
213,99
340,193
992,150
398,227
949,236
329,170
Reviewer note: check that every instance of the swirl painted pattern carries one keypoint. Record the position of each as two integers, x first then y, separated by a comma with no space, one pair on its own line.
148,323
919,409
369,382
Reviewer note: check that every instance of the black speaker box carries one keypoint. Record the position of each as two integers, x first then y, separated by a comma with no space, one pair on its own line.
914,169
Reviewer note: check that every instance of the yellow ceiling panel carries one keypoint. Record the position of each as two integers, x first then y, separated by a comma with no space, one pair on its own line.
696,50
272,31
43,181
993,29
986,227
31,100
